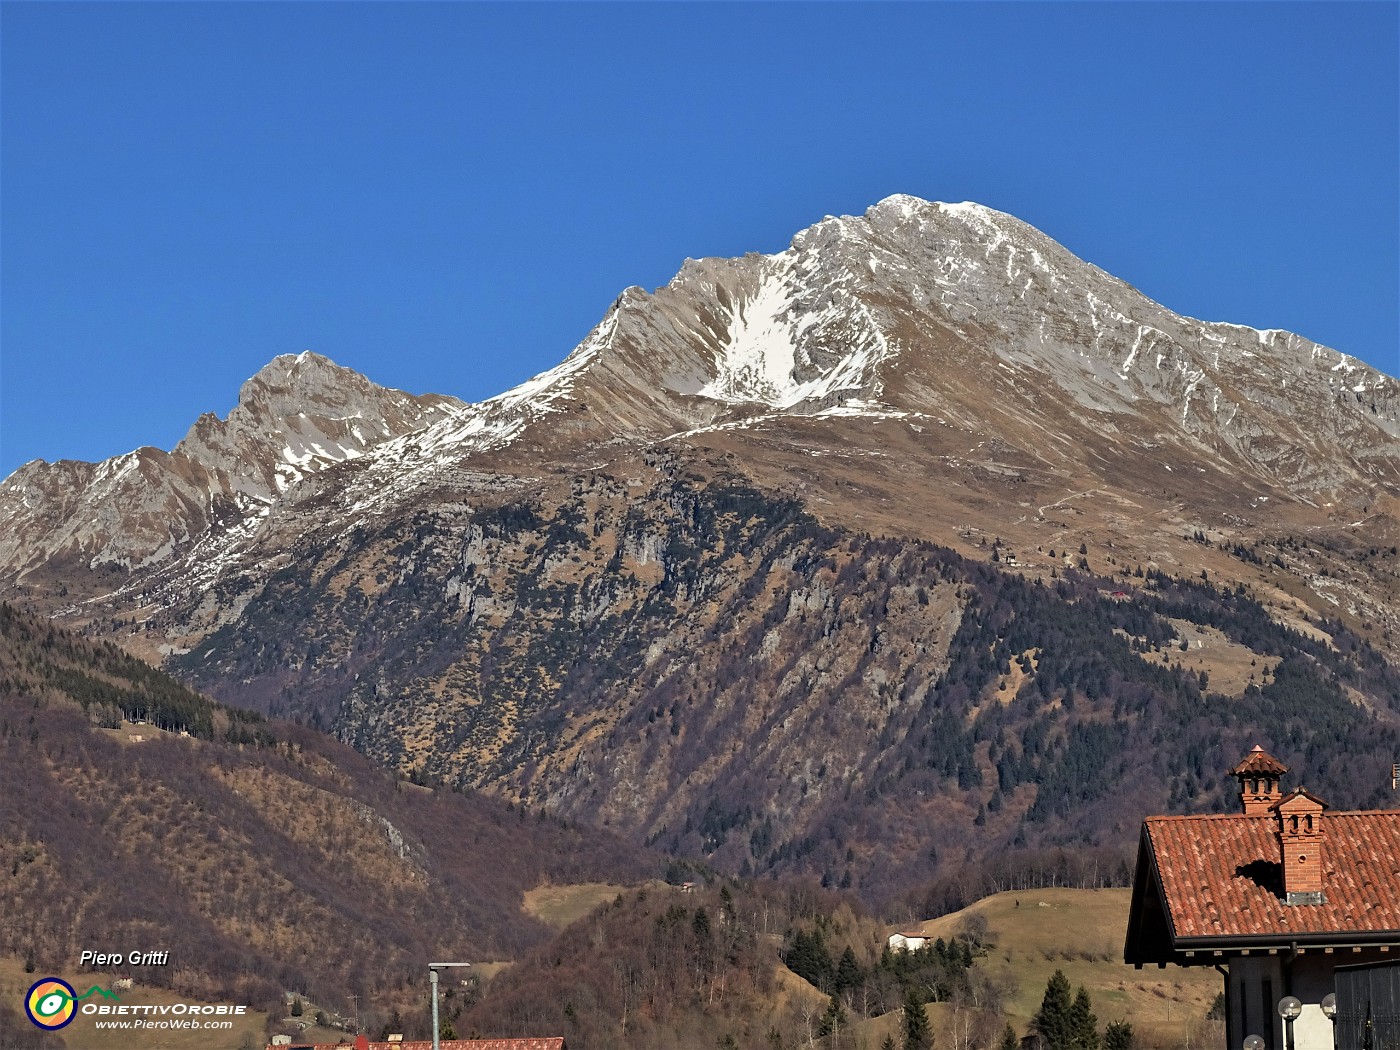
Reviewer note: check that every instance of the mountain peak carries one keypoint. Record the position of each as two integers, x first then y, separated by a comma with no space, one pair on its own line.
296,416
914,306
908,205
905,207
300,413
304,375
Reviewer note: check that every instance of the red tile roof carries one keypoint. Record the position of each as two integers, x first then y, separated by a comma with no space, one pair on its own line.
548,1043
1221,877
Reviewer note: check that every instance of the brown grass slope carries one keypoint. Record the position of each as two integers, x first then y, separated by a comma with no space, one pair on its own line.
1033,933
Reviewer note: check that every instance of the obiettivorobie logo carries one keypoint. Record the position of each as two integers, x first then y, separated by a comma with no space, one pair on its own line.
52,1003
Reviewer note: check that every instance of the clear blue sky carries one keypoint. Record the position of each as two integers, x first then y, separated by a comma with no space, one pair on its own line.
448,196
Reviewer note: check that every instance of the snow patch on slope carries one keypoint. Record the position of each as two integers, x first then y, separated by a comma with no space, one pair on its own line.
786,347
759,358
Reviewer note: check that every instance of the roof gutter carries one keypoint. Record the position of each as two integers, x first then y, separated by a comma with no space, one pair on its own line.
1331,939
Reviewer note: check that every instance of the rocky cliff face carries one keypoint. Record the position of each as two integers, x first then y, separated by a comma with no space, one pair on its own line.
672,653
777,565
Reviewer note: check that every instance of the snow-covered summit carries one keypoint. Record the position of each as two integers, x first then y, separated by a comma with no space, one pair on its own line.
903,307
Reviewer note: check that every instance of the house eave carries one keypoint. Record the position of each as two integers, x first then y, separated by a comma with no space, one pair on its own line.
1210,951
1335,939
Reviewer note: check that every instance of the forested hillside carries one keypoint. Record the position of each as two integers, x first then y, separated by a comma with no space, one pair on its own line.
736,964
264,857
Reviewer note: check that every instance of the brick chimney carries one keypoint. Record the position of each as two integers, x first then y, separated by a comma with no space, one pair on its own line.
1258,774
1300,841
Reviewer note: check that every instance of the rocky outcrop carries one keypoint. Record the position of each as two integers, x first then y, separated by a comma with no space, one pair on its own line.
298,416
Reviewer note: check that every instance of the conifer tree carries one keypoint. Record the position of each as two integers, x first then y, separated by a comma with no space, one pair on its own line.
810,959
1008,1039
848,971
1053,1021
1084,1031
917,1034
1118,1035
835,1017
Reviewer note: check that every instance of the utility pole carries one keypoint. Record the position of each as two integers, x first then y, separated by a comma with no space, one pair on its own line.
433,969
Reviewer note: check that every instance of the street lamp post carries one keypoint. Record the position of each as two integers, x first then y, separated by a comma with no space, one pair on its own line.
1289,1007
1253,1042
1329,1011
433,969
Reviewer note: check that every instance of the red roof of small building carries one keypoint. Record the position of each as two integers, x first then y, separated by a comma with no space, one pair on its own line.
1219,880
534,1043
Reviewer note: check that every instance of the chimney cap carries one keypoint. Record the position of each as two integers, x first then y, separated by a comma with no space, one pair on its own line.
1293,801
1259,763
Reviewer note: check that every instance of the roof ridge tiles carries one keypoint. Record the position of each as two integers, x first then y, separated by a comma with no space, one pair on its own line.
1332,814
1208,816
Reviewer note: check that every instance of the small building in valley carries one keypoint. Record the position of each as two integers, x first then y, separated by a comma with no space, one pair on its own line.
907,942
1286,899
